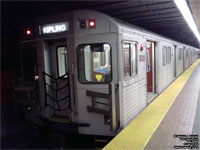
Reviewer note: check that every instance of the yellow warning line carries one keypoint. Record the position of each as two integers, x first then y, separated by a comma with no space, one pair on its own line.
137,134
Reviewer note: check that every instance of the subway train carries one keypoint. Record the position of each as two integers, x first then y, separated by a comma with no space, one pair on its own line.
85,72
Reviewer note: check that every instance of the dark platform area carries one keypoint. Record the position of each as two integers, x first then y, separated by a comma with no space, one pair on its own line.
17,133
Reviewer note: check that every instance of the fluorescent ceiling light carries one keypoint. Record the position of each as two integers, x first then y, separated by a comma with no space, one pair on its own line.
183,7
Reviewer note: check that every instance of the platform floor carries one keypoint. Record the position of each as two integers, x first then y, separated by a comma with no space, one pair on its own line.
173,112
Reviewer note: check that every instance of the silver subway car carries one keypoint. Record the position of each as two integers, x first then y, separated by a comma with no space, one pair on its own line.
89,73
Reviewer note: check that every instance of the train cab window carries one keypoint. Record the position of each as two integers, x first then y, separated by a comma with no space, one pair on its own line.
180,54
29,63
94,63
130,59
61,59
169,55
164,55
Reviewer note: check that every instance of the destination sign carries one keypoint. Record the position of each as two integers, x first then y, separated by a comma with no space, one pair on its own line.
54,28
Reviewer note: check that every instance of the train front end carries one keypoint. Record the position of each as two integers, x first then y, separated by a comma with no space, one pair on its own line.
69,73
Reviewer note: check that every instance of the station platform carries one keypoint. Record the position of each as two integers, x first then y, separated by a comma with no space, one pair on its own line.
171,121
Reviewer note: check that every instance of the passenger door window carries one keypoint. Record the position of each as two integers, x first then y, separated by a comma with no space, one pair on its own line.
169,55
180,54
61,60
164,55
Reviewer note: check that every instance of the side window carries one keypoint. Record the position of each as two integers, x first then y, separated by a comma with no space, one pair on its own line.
164,55
61,60
133,59
186,52
169,55
94,63
130,59
126,50
180,54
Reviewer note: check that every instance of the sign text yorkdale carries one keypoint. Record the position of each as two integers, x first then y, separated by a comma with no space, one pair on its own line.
54,28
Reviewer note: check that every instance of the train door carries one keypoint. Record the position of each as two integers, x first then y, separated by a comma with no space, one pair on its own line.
175,61
95,78
151,72
56,79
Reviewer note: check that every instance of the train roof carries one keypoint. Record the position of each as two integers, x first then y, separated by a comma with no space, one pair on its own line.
126,25
119,23
145,32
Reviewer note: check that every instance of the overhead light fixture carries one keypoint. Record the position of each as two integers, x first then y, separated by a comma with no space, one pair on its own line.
184,9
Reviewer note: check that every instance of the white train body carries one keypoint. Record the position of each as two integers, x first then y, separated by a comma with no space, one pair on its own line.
96,55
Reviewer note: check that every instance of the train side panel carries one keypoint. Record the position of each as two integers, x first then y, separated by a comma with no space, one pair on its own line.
133,88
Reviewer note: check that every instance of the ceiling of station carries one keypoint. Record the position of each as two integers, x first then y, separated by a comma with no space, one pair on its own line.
195,7
160,16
